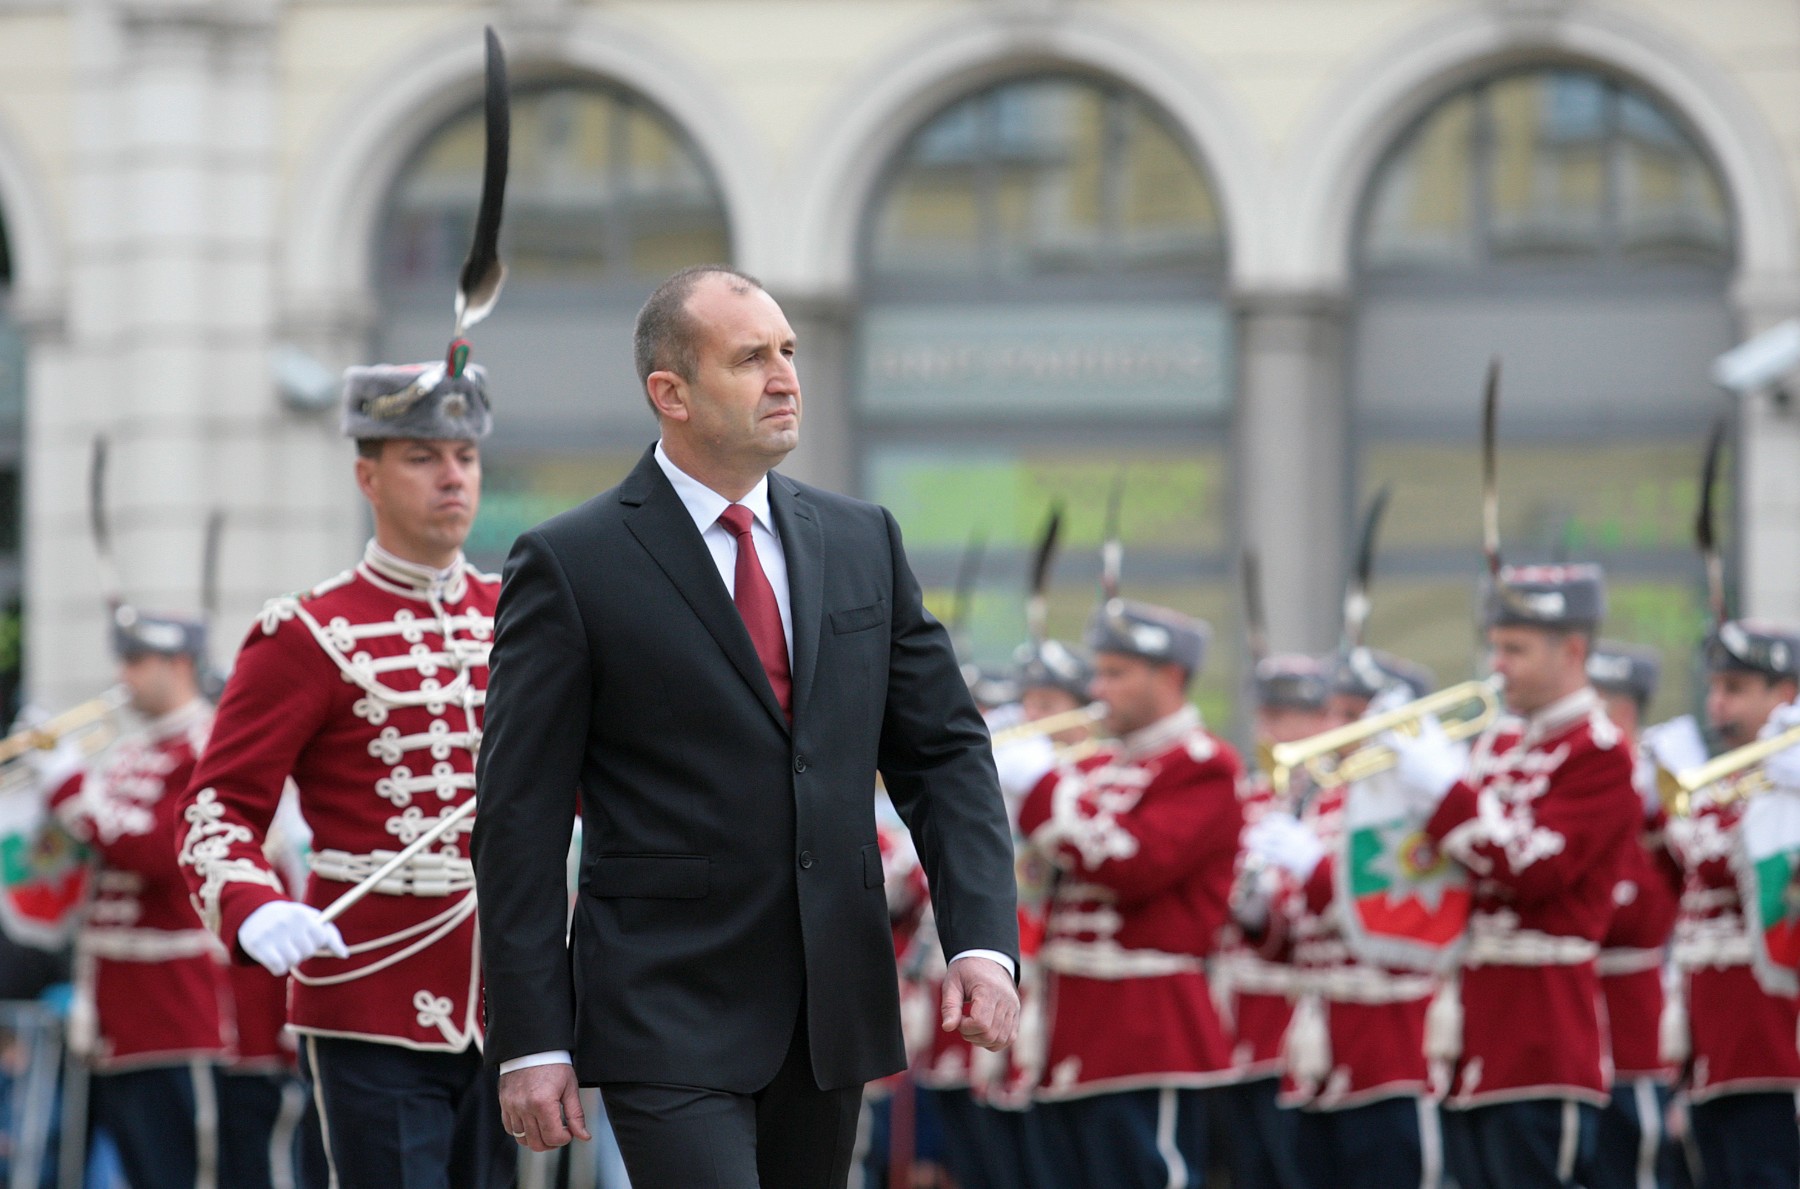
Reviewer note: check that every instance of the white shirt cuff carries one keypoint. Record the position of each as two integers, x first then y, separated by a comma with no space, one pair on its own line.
553,1057
1005,963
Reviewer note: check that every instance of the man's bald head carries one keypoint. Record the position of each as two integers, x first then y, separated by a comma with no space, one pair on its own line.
667,335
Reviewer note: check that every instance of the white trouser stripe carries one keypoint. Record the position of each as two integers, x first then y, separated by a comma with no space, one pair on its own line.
312,1060
1431,1144
1649,1114
206,1125
1165,1139
1571,1140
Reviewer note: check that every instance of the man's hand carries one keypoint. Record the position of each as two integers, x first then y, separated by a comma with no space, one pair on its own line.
540,1106
981,1002
282,934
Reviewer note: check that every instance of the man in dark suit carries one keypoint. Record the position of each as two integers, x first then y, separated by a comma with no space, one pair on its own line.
727,978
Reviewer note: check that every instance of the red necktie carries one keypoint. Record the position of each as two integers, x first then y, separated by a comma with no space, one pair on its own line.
755,600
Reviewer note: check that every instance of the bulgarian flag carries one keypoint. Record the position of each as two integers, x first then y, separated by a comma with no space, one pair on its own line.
1401,902
43,874
1767,861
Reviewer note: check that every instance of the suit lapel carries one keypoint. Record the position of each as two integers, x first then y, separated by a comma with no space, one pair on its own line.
803,541
661,524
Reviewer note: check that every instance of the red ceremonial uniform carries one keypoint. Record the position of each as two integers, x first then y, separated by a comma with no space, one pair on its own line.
1631,958
1256,995
1145,837
150,973
1743,1038
1374,1017
1540,821
368,692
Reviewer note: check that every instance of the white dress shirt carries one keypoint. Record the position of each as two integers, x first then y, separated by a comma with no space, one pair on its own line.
704,505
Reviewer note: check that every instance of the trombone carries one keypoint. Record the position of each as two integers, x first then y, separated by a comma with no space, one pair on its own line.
1738,775
89,723
1349,753
1051,724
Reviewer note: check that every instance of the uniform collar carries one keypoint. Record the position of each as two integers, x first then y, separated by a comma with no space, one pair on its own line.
1161,735
413,579
704,504
1562,714
177,721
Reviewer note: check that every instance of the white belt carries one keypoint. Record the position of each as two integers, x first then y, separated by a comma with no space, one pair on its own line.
1629,961
1716,942
119,882
1110,960
1253,976
1367,985
426,874
1492,944
147,945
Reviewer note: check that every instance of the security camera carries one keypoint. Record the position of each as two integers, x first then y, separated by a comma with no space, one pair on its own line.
305,384
1761,361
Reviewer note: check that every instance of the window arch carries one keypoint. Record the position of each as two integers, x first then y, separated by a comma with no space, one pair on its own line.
1565,220
606,195
12,463
1042,272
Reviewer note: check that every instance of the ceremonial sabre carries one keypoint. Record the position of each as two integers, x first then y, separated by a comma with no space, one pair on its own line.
439,828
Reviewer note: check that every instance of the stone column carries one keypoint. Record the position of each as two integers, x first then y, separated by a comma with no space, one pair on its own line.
1293,472
1768,481
824,329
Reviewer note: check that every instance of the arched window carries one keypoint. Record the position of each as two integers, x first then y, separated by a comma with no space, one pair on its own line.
1567,222
1042,275
605,197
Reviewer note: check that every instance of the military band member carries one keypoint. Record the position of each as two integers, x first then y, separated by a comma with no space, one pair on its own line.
1144,838
368,692
1745,1068
1539,815
1293,696
1632,1146
153,1012
1356,1062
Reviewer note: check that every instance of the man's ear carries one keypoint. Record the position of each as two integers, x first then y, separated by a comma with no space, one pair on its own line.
668,394
365,477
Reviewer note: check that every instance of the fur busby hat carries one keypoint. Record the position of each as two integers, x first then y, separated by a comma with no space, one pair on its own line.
1292,681
1150,632
1051,664
1562,598
1367,672
416,400
1754,646
136,633
1630,670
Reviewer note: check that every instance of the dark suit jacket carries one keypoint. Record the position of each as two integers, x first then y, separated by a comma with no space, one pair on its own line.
729,869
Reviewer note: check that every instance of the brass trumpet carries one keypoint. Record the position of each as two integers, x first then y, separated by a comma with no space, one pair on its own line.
1348,753
89,723
1738,775
1051,724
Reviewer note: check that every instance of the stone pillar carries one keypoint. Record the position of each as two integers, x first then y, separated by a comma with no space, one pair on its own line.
1292,455
824,329
1768,488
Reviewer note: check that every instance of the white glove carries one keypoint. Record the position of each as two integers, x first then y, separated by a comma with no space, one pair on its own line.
1677,744
1426,764
1783,768
282,934
1279,840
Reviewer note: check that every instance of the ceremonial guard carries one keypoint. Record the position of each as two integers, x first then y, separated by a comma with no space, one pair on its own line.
1744,1066
153,1004
367,692
1356,1064
1144,838
1257,994
1539,816
1632,1146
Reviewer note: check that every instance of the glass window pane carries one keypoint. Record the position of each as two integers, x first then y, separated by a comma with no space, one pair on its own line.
1547,188
1421,213
1050,157
1671,205
520,491
1169,218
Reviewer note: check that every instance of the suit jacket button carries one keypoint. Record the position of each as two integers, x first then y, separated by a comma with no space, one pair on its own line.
806,859
799,763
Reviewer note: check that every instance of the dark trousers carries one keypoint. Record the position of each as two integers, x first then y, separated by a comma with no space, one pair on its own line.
1536,1144
1748,1141
1632,1148
249,1105
163,1122
1391,1144
1133,1139
788,1135
1260,1136
967,1137
387,1117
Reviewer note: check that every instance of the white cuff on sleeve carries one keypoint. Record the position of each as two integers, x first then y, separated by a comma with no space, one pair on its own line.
553,1057
1005,962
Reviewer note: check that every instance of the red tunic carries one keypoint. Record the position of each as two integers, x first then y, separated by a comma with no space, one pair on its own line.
1374,1017
1256,996
1743,1038
1541,822
1145,838
368,693
1631,958
150,979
